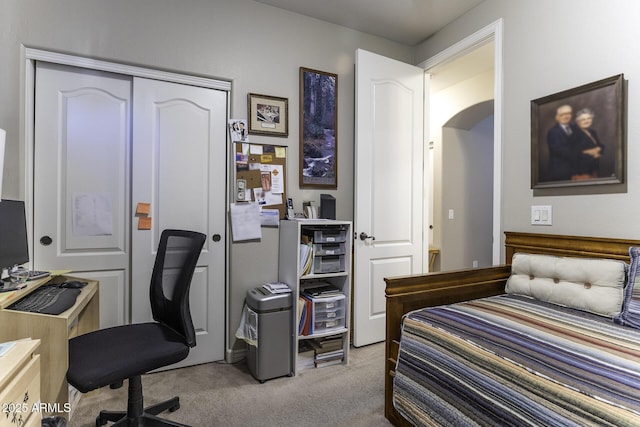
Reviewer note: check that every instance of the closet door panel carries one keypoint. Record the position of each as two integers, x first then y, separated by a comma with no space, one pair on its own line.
81,178
179,152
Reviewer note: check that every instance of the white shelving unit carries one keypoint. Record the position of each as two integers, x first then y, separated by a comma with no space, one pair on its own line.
332,243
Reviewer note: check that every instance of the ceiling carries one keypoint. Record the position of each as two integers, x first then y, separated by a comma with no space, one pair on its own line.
404,21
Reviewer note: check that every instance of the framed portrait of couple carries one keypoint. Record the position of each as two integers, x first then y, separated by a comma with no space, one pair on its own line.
578,136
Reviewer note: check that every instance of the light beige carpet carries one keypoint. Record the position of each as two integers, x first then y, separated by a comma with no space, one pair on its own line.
219,394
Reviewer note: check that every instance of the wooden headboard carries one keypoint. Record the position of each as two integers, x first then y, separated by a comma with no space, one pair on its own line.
409,293
590,247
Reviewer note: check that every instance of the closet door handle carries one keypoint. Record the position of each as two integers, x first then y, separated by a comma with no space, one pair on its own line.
46,240
216,237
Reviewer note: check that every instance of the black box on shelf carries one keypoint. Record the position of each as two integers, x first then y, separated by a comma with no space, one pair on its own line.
327,206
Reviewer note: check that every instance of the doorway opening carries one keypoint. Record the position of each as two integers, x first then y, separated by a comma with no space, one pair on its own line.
465,120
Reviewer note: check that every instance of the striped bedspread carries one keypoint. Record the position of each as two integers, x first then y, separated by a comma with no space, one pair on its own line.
514,361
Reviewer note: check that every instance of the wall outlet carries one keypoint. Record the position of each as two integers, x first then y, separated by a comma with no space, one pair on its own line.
241,190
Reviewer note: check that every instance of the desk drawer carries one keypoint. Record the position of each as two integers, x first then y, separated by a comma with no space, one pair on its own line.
21,394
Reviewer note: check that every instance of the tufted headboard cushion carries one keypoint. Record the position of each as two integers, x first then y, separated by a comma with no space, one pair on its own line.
589,284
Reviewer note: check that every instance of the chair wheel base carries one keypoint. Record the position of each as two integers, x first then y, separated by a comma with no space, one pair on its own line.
147,417
106,416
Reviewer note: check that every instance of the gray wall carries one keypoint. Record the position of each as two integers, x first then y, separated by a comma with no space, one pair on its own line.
544,52
259,48
467,189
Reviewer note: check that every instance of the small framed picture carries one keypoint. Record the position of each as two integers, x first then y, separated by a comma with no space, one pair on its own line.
578,136
238,130
268,115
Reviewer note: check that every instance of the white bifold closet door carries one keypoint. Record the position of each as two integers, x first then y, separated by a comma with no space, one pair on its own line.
179,168
104,143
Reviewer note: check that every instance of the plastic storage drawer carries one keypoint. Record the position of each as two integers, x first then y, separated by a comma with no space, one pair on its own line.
322,249
322,326
326,234
328,313
328,264
329,303
333,314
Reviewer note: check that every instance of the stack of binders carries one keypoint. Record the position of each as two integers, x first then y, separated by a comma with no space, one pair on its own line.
328,351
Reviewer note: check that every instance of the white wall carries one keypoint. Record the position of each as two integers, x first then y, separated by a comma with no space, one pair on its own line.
257,47
544,52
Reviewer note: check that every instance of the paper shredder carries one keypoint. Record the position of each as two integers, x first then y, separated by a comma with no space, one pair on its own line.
272,357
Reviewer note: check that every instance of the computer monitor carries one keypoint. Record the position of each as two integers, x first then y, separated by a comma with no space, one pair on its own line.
14,249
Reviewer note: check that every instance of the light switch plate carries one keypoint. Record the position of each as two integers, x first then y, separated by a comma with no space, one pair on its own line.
541,215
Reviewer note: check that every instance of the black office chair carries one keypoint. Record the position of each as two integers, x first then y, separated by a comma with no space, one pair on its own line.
109,356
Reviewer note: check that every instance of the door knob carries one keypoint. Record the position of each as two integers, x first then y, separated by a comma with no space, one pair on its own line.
46,240
365,236
216,237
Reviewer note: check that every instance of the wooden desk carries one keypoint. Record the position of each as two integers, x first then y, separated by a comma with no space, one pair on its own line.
54,332
20,385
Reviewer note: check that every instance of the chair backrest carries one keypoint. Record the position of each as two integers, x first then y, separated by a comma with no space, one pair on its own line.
175,263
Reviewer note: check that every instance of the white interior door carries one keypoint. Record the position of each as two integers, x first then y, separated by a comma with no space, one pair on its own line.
81,180
179,152
388,185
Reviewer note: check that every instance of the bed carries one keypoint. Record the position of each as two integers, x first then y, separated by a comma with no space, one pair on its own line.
459,353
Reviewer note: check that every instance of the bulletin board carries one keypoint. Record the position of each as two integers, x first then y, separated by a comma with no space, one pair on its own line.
264,168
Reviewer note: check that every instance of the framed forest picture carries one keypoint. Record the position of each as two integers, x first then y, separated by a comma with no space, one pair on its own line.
318,129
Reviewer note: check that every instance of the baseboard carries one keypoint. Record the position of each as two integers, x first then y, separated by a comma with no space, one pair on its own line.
235,355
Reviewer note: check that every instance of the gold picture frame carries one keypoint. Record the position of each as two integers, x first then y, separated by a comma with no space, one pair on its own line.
268,115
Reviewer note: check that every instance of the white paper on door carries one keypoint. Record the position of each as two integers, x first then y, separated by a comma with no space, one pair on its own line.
92,214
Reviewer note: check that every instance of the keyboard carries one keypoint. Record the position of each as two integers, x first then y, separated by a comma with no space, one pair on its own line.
48,299
32,274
